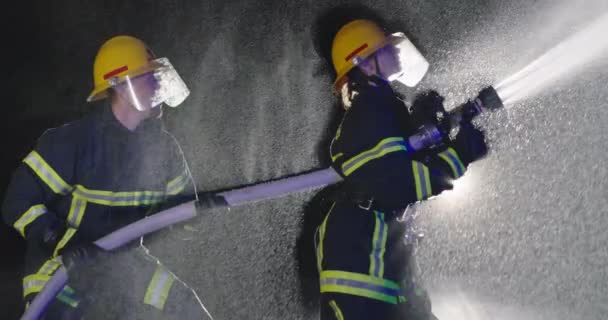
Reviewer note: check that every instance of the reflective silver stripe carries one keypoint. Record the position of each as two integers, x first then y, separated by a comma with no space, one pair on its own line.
385,146
420,169
49,267
177,185
46,173
76,211
451,157
109,198
28,217
158,289
34,283
422,180
64,240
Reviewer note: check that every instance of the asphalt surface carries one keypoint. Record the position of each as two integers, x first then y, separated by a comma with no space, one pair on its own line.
522,237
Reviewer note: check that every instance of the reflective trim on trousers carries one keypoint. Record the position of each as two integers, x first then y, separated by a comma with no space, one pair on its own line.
159,287
376,256
360,285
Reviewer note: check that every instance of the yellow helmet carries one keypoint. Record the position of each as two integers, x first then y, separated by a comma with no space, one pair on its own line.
118,57
353,43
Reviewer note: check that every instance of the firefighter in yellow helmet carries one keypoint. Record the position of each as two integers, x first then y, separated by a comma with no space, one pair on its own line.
363,258
92,176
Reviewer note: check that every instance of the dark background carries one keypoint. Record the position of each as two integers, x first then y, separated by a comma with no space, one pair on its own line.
525,240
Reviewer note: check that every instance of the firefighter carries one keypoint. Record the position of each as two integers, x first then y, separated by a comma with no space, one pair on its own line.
361,254
94,175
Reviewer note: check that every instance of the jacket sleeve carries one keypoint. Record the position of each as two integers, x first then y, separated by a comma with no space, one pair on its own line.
468,146
41,177
386,169
179,182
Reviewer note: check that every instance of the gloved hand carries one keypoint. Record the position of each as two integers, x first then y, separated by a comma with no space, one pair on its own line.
208,200
470,143
80,255
52,233
428,109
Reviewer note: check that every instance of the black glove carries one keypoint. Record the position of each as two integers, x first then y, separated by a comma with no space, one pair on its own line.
428,109
52,234
208,200
80,255
470,143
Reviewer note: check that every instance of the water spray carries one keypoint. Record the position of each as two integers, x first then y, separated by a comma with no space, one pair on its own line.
429,136
563,59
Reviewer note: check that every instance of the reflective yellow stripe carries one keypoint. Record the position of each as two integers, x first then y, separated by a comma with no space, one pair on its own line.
49,267
77,210
321,237
46,173
360,285
422,180
34,283
178,184
67,300
337,311
451,157
64,240
384,147
28,217
339,131
158,289
110,198
376,256
336,157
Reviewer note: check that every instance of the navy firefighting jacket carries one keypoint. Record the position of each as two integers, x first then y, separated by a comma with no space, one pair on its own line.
93,176
370,151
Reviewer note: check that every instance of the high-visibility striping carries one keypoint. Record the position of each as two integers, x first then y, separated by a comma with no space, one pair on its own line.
69,233
115,72
376,266
360,285
34,284
109,198
28,217
422,180
70,301
356,52
46,173
336,157
159,287
178,184
384,147
337,311
321,238
76,211
67,296
49,267
451,157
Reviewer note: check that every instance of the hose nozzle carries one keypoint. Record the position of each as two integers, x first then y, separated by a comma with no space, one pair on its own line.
489,100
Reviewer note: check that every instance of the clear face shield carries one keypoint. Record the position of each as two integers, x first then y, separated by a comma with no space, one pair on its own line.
152,85
411,65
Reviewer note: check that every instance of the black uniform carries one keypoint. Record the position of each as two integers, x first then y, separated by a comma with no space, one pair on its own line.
361,255
91,177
